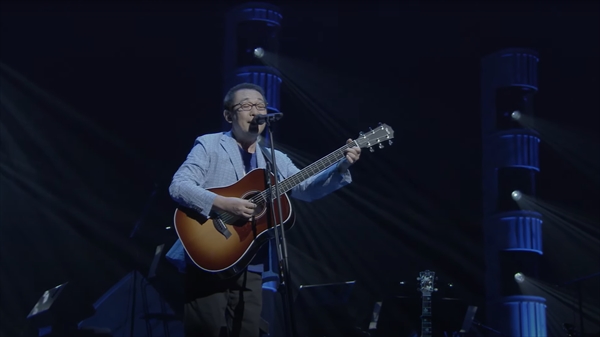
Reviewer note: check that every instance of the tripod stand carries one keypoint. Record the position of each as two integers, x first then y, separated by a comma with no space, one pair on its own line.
136,228
577,282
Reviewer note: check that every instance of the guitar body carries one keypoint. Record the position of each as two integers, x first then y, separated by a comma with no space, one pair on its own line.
214,252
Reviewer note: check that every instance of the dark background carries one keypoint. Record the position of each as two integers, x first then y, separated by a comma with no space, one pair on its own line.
126,87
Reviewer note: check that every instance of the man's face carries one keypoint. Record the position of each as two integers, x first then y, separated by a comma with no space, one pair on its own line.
247,104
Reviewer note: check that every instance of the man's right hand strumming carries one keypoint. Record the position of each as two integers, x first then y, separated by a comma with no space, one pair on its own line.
236,206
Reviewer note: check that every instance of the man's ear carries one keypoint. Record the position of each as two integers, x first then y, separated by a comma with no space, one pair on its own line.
227,115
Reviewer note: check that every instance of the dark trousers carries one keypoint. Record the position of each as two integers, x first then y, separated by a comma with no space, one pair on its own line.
222,308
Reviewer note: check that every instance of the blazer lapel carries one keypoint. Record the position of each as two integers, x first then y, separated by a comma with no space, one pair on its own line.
231,147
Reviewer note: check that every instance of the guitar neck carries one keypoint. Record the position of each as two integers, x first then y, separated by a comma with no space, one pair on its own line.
320,165
426,316
383,133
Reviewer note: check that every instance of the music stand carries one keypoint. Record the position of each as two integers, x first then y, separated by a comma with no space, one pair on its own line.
58,311
323,307
41,310
468,321
157,255
163,316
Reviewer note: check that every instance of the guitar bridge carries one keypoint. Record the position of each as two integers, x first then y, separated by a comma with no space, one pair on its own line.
220,226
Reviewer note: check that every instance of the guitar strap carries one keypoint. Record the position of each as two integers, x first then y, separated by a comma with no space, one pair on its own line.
267,156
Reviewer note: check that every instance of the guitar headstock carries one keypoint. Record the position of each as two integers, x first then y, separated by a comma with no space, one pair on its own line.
427,282
380,134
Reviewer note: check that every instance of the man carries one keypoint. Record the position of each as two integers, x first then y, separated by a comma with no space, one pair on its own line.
233,307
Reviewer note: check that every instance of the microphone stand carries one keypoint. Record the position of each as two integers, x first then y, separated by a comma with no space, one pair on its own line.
136,228
577,282
280,241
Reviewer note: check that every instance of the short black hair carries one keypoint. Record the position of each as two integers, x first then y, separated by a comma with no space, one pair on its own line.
228,100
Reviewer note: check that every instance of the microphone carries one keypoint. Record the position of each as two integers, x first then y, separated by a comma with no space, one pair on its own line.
262,119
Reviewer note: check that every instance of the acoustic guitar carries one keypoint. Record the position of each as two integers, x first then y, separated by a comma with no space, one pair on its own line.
224,244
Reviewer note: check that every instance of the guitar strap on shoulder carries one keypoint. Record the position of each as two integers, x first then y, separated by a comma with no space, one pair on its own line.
268,158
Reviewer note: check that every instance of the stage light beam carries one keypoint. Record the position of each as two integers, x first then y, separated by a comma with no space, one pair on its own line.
520,278
259,52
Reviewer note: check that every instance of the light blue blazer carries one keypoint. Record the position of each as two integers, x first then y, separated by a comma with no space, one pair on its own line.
215,161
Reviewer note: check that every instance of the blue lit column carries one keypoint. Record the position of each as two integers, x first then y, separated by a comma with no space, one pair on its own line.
513,236
250,26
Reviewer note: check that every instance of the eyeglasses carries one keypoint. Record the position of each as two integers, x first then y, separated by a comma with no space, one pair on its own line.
248,106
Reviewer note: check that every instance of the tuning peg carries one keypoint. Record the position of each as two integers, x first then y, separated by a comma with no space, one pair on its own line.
380,124
390,142
371,149
381,145
370,129
361,133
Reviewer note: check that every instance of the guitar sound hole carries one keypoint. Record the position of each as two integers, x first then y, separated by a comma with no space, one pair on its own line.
260,209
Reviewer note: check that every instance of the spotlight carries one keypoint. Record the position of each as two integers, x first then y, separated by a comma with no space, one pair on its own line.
516,115
259,52
520,278
516,195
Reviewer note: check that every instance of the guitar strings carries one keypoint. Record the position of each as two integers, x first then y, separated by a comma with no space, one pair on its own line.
263,194
261,197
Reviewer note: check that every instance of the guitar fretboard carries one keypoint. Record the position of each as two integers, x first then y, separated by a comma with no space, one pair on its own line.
426,316
320,165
